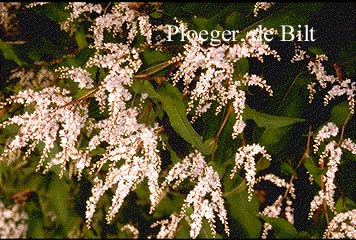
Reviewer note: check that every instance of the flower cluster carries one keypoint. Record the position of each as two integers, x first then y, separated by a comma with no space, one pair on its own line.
120,18
327,131
205,198
330,159
29,78
261,6
7,18
78,9
168,226
13,221
120,151
343,225
79,75
131,155
55,115
216,81
339,85
131,229
246,156
275,209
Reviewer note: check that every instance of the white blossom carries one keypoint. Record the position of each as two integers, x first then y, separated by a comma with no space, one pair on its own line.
78,75
299,54
205,198
119,18
168,226
246,156
216,81
34,4
343,225
131,229
261,6
29,78
54,116
13,221
339,86
78,9
275,209
7,16
326,195
348,144
327,131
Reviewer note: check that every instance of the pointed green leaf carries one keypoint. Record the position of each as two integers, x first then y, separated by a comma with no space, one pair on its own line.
80,39
245,212
272,136
152,70
339,113
262,163
269,121
144,86
344,204
173,105
287,169
210,145
59,194
8,53
152,57
242,66
313,169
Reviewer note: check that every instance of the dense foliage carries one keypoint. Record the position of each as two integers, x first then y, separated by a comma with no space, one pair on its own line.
109,130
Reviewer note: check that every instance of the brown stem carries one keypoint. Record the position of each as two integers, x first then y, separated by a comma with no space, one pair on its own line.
229,110
343,128
307,148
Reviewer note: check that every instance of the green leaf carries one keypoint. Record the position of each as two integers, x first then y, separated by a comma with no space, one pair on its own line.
10,130
54,11
292,97
173,105
313,169
287,169
169,203
82,92
242,66
144,86
201,23
35,226
284,229
272,136
152,57
152,70
245,212
344,204
233,19
339,113
269,121
156,15
97,151
59,194
205,231
262,163
316,50
9,54
80,39
210,145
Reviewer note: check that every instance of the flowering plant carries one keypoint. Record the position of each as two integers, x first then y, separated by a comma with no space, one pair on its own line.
113,125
